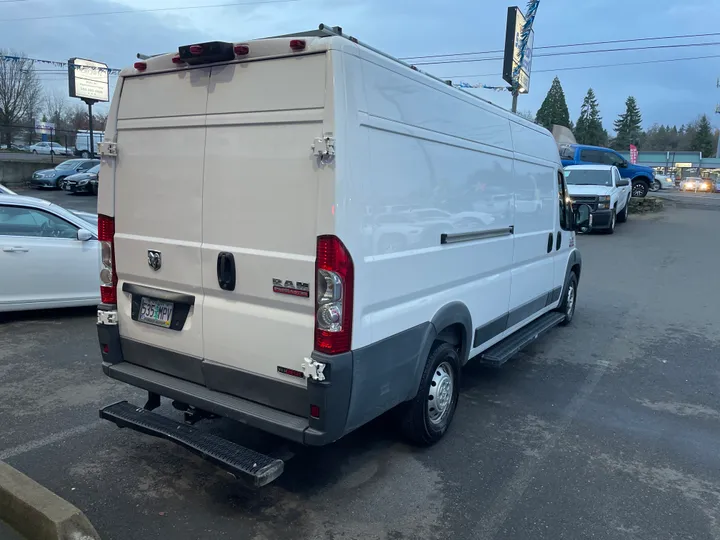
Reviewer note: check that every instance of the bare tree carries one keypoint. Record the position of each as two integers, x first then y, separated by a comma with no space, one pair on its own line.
20,92
56,107
76,117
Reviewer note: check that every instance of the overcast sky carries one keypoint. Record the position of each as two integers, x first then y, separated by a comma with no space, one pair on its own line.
668,93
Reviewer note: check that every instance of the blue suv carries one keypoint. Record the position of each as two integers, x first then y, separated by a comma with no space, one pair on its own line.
578,154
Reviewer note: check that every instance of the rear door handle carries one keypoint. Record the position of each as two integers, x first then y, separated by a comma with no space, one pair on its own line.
550,242
226,271
16,249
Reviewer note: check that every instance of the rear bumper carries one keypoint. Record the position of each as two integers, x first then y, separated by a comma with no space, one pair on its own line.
358,386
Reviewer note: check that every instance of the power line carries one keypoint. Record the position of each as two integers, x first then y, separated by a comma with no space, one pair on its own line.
566,45
568,53
573,68
152,10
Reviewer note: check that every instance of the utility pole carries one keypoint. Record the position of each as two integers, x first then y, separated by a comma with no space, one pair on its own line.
514,102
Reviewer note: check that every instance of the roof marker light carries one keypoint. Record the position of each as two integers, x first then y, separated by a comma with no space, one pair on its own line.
241,50
297,44
177,60
196,49
140,66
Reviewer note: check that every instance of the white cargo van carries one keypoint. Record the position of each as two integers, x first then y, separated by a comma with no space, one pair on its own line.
82,143
301,233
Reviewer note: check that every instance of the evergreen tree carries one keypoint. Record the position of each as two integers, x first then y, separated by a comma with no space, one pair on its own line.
554,109
589,128
628,126
703,138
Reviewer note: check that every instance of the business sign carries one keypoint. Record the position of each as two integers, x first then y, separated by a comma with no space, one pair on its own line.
633,154
44,128
683,165
513,48
88,80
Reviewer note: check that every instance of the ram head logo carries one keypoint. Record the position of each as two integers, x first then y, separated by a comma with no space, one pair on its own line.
154,259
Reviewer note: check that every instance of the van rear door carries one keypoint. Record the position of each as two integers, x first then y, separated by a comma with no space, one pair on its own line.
158,218
260,205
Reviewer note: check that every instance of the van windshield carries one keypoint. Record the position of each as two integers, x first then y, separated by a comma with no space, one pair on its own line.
588,177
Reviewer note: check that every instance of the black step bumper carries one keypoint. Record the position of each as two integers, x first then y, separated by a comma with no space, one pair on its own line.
247,465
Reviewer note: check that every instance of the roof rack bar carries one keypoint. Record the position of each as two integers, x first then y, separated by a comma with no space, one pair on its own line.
337,31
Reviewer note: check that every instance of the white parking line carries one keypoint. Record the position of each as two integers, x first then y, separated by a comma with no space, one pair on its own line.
49,439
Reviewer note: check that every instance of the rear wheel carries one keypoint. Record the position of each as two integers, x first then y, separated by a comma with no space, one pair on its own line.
427,417
655,186
640,188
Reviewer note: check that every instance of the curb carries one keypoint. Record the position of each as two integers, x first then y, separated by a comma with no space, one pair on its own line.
37,513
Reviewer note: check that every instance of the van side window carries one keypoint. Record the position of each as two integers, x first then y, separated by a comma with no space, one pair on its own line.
565,207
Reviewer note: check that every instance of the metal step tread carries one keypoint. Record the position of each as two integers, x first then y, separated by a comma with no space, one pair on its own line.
249,465
511,345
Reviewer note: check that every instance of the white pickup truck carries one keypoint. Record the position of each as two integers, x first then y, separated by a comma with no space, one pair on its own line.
603,190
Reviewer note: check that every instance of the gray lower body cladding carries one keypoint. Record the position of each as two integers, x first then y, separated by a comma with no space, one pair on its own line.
359,386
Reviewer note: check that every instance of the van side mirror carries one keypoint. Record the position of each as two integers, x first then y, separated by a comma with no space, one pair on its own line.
583,221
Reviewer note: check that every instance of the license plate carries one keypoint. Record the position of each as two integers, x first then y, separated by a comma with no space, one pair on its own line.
155,312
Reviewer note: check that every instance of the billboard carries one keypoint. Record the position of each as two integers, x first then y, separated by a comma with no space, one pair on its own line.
513,45
88,80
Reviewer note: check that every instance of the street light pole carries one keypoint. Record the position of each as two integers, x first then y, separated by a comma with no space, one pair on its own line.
514,101
90,125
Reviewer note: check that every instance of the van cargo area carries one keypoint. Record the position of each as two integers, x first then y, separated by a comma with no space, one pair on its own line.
301,233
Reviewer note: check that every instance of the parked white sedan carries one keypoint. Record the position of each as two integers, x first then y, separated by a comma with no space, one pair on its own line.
49,256
48,148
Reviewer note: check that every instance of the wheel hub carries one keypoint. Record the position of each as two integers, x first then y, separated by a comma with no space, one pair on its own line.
441,393
570,301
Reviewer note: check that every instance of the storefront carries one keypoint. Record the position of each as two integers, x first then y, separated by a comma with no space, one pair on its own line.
679,164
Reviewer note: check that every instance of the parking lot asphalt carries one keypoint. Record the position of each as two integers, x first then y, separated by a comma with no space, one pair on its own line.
606,429
73,201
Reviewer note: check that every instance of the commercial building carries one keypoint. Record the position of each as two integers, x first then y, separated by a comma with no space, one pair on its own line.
679,164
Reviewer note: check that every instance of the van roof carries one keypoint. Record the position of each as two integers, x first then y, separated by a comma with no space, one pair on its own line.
316,41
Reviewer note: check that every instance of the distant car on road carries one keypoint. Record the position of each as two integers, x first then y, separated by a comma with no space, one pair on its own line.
55,178
662,182
50,257
48,148
84,182
697,184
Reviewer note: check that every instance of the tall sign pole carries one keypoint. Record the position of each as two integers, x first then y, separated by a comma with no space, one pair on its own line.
519,37
89,81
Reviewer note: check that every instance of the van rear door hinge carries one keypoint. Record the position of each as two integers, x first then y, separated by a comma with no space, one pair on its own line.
107,148
324,148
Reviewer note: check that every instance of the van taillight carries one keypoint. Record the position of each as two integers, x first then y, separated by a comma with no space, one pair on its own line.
108,276
334,277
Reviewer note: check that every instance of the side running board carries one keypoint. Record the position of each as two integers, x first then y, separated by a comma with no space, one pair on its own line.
501,352
247,465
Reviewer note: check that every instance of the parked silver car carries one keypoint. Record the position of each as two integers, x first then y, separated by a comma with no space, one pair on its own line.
48,148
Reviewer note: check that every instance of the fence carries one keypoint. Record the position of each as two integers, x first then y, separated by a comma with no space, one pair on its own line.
17,138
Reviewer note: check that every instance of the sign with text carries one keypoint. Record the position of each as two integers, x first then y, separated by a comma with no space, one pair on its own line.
88,80
633,154
513,48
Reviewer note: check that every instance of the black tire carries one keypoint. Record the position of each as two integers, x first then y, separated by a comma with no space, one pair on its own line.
640,188
622,217
60,184
85,154
94,189
655,186
34,152
613,221
416,421
567,306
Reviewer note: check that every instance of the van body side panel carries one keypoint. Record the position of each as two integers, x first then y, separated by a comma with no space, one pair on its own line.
437,164
158,202
106,188
260,203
